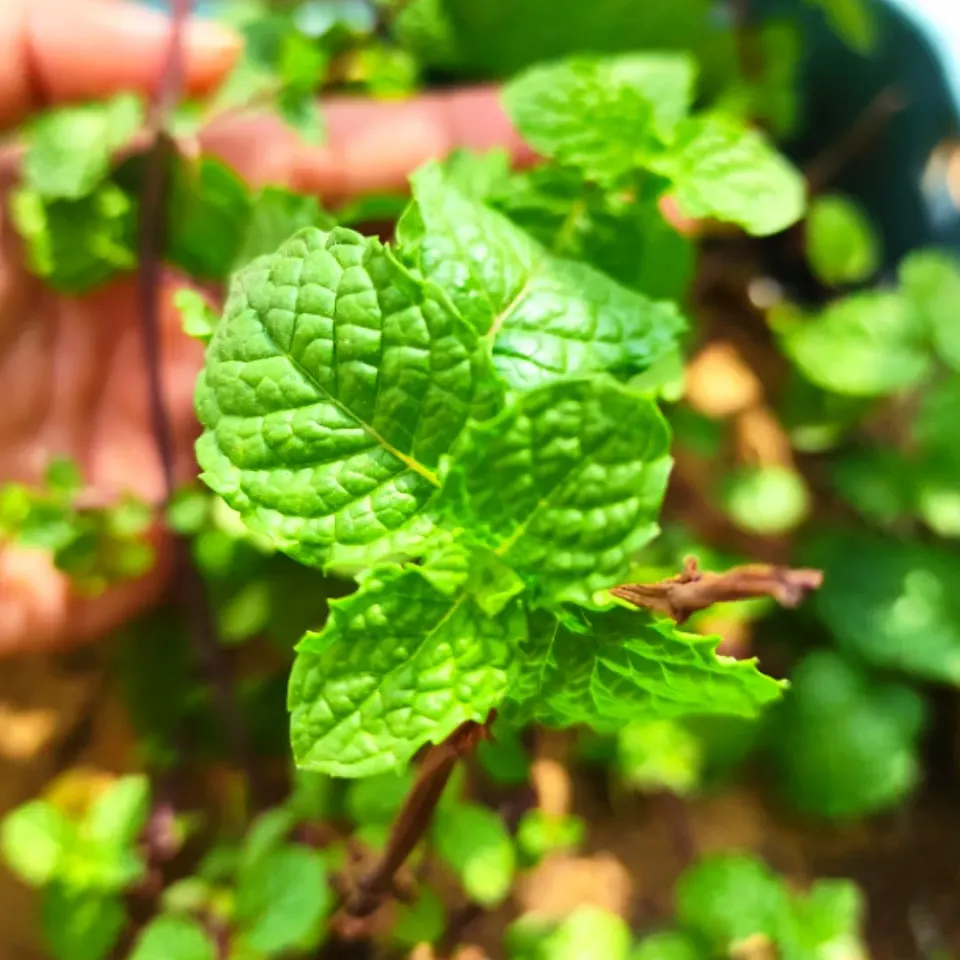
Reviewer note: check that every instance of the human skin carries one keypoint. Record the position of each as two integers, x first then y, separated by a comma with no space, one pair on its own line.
71,370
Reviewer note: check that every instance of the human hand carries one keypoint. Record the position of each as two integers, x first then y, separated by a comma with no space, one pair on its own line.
71,367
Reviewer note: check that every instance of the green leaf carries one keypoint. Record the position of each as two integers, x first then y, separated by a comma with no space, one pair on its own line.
767,501
173,938
891,602
303,114
842,246
282,900
378,799
826,922
866,345
76,245
843,745
565,485
69,149
668,945
267,834
197,318
624,666
619,234
398,664
422,921
539,834
727,898
478,176
208,214
588,933
548,318
118,815
332,386
602,116
719,168
80,926
659,754
930,280
276,214
474,842
33,838
854,21
62,476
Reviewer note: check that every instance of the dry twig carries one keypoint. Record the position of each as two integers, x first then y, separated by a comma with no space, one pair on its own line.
682,596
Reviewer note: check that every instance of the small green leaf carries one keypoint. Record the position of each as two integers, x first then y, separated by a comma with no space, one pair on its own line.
602,116
548,318
422,921
866,345
588,933
843,745
332,386
539,834
767,501
118,815
173,938
659,754
668,945
282,900
842,246
63,477
474,842
76,245
69,149
930,280
625,666
33,838
826,922
398,664
890,602
854,21
276,214
80,926
378,799
197,318
727,898
303,114
719,168
564,486
267,834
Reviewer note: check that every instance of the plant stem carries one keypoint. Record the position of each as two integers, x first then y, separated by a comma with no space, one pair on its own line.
414,817
187,583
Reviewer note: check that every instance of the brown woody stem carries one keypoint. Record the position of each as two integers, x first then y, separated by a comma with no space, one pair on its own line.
414,818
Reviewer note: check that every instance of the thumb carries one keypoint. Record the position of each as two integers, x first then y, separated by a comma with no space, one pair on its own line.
56,52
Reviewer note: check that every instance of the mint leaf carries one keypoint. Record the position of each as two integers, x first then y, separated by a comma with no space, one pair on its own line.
276,214
603,116
890,603
76,245
766,500
866,345
69,149
588,933
80,926
197,318
826,922
475,843
727,898
843,744
565,485
208,213
719,168
118,815
422,921
668,945
548,318
378,799
659,754
930,280
173,938
398,664
282,900
33,839
842,246
332,386
623,236
625,665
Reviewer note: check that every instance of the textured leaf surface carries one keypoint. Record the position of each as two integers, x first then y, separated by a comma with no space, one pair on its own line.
865,345
548,317
601,115
721,169
398,664
627,666
565,486
332,385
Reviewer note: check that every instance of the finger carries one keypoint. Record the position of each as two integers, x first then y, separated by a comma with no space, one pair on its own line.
56,52
371,145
